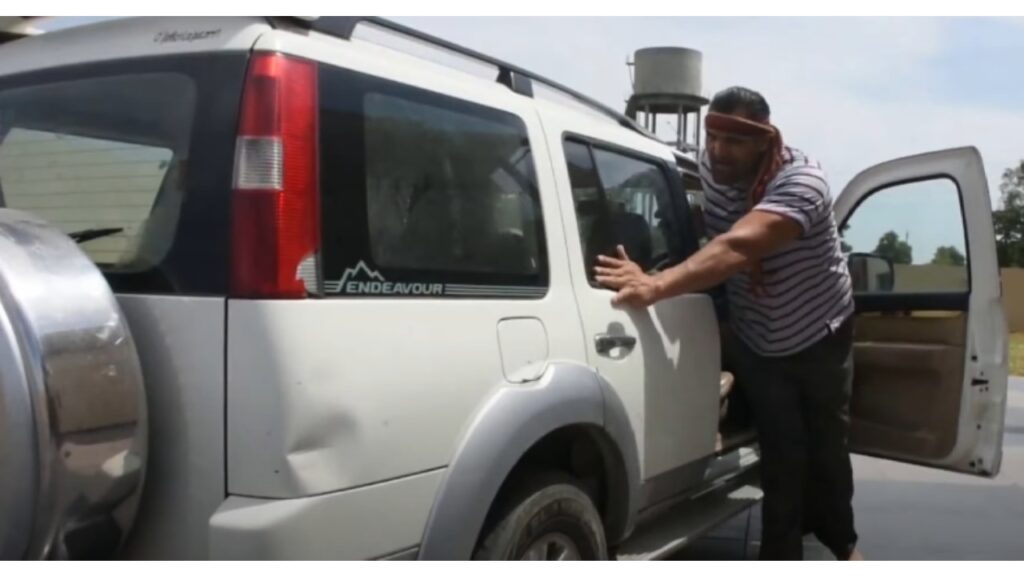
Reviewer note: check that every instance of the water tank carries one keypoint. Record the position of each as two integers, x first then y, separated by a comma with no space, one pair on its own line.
667,81
666,77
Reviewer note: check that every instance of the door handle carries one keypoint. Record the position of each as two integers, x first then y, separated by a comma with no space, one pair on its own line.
605,343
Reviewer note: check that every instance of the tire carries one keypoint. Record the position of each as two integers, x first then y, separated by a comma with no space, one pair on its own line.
72,404
548,516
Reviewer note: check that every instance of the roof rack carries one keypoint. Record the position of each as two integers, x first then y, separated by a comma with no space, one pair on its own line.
16,27
515,78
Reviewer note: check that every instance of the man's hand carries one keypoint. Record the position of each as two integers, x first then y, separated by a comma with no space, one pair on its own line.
634,286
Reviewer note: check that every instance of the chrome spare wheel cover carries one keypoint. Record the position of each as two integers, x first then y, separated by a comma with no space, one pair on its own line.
72,405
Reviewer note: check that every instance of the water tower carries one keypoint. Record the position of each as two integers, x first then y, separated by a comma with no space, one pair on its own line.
667,82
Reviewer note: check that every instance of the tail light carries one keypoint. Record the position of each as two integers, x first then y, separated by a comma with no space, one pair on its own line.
275,220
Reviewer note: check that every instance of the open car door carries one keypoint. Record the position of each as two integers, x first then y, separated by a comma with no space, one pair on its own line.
931,350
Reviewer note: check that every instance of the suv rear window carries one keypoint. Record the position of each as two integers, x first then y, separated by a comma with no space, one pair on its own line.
93,156
133,159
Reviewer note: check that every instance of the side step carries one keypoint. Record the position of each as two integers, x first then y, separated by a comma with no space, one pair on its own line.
686,521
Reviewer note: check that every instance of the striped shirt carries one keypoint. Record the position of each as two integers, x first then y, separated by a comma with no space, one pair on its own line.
807,291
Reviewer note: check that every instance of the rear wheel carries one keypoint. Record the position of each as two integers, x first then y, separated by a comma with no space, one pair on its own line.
550,517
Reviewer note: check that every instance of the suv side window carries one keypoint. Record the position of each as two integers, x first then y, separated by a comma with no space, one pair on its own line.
622,199
424,189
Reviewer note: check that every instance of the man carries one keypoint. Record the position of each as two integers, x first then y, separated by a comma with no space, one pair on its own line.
774,242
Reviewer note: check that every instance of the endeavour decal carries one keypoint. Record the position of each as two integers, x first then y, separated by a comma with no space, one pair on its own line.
364,281
361,280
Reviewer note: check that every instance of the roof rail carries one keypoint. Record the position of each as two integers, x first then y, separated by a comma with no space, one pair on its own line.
684,161
515,78
15,27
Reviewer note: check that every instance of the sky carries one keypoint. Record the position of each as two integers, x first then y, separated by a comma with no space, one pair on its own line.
850,92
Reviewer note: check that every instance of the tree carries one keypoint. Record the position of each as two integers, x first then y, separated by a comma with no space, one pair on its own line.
844,246
890,246
949,256
1009,218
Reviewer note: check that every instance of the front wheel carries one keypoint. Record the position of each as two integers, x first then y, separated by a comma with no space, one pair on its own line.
548,518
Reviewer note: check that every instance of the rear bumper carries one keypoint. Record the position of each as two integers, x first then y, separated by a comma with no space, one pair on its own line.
383,520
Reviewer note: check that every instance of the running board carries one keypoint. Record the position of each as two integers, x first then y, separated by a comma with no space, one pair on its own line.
685,522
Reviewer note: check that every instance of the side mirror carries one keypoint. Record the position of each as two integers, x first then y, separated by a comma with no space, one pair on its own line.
871,273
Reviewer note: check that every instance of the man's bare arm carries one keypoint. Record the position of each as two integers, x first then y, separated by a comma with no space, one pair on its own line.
753,237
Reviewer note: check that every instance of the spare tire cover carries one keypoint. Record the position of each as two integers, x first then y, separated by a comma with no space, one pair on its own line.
72,405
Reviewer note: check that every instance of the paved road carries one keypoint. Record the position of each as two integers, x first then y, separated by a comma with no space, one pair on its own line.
912,513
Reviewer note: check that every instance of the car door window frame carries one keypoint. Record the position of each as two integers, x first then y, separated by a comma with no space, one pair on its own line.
906,301
685,242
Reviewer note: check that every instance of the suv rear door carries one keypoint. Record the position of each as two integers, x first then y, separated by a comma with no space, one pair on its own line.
664,360
133,156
